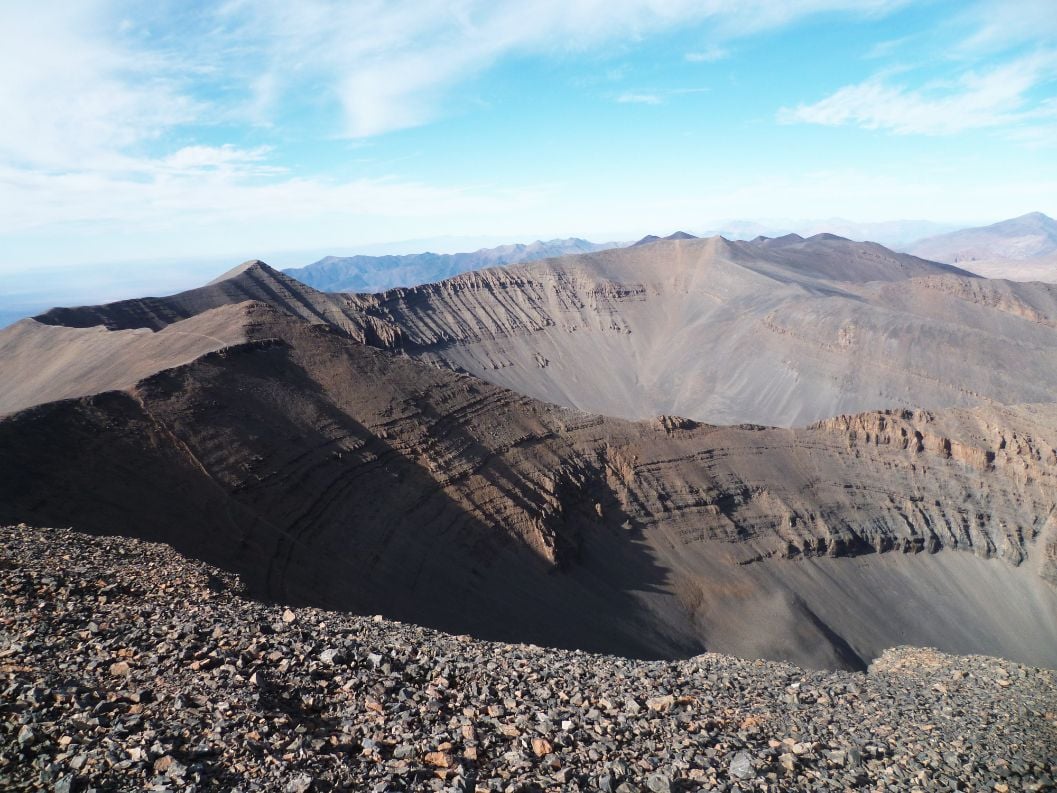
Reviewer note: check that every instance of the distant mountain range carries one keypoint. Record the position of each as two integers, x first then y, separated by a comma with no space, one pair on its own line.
378,273
1020,249
895,234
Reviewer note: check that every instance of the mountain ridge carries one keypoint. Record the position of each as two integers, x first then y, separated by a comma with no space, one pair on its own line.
363,273
512,518
1029,235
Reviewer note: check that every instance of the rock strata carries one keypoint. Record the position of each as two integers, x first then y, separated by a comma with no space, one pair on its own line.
217,692
330,473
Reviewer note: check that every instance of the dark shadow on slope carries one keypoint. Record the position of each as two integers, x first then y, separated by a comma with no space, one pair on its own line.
240,459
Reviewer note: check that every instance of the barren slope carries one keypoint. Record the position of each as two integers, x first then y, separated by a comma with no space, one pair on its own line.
329,472
69,352
784,331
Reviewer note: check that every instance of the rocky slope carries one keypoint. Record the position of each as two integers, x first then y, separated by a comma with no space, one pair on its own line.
329,472
124,666
378,273
777,331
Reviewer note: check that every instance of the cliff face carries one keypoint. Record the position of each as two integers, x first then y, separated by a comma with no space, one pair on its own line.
328,472
779,332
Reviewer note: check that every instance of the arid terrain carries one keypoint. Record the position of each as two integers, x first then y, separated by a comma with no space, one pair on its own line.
349,451
130,667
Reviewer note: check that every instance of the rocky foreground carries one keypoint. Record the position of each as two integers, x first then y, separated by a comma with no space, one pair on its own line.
126,666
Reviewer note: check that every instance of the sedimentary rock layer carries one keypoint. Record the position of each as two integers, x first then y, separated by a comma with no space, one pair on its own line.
329,472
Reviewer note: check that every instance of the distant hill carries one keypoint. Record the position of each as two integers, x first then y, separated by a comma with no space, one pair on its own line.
679,235
895,234
1020,249
378,273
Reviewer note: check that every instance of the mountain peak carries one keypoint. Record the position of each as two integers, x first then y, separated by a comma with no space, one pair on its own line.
249,265
678,235
1018,239
1032,220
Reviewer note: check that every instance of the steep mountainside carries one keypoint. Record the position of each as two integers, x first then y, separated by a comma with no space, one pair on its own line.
378,273
69,352
1022,249
329,472
780,331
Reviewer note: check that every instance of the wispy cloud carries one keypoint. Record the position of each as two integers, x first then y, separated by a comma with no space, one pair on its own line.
119,116
998,25
72,94
630,98
994,97
655,97
391,64
708,55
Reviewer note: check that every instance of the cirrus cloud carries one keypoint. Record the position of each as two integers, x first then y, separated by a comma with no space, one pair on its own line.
995,97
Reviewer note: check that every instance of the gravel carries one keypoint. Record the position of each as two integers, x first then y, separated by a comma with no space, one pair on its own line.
126,666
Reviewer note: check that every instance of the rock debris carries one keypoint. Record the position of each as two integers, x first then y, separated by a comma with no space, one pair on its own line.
126,666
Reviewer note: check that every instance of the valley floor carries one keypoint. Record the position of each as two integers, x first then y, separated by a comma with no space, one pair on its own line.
124,665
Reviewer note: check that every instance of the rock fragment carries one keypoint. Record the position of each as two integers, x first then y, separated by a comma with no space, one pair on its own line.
173,691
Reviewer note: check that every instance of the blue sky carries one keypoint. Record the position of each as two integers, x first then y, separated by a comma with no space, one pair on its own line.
142,132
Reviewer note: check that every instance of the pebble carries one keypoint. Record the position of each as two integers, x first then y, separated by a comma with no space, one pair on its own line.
177,681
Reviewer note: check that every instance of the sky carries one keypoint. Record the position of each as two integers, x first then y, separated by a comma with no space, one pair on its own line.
142,135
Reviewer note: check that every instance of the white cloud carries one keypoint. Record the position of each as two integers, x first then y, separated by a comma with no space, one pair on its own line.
1001,24
638,99
654,97
163,197
226,156
86,83
70,96
708,55
977,99
392,64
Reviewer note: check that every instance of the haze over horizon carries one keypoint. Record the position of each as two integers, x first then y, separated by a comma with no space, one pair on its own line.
211,133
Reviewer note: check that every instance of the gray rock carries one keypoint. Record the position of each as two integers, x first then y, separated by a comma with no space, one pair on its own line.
742,766
332,656
659,783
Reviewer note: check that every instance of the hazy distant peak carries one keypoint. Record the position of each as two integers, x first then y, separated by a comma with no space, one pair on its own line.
362,273
1032,220
1022,238
678,235
785,239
